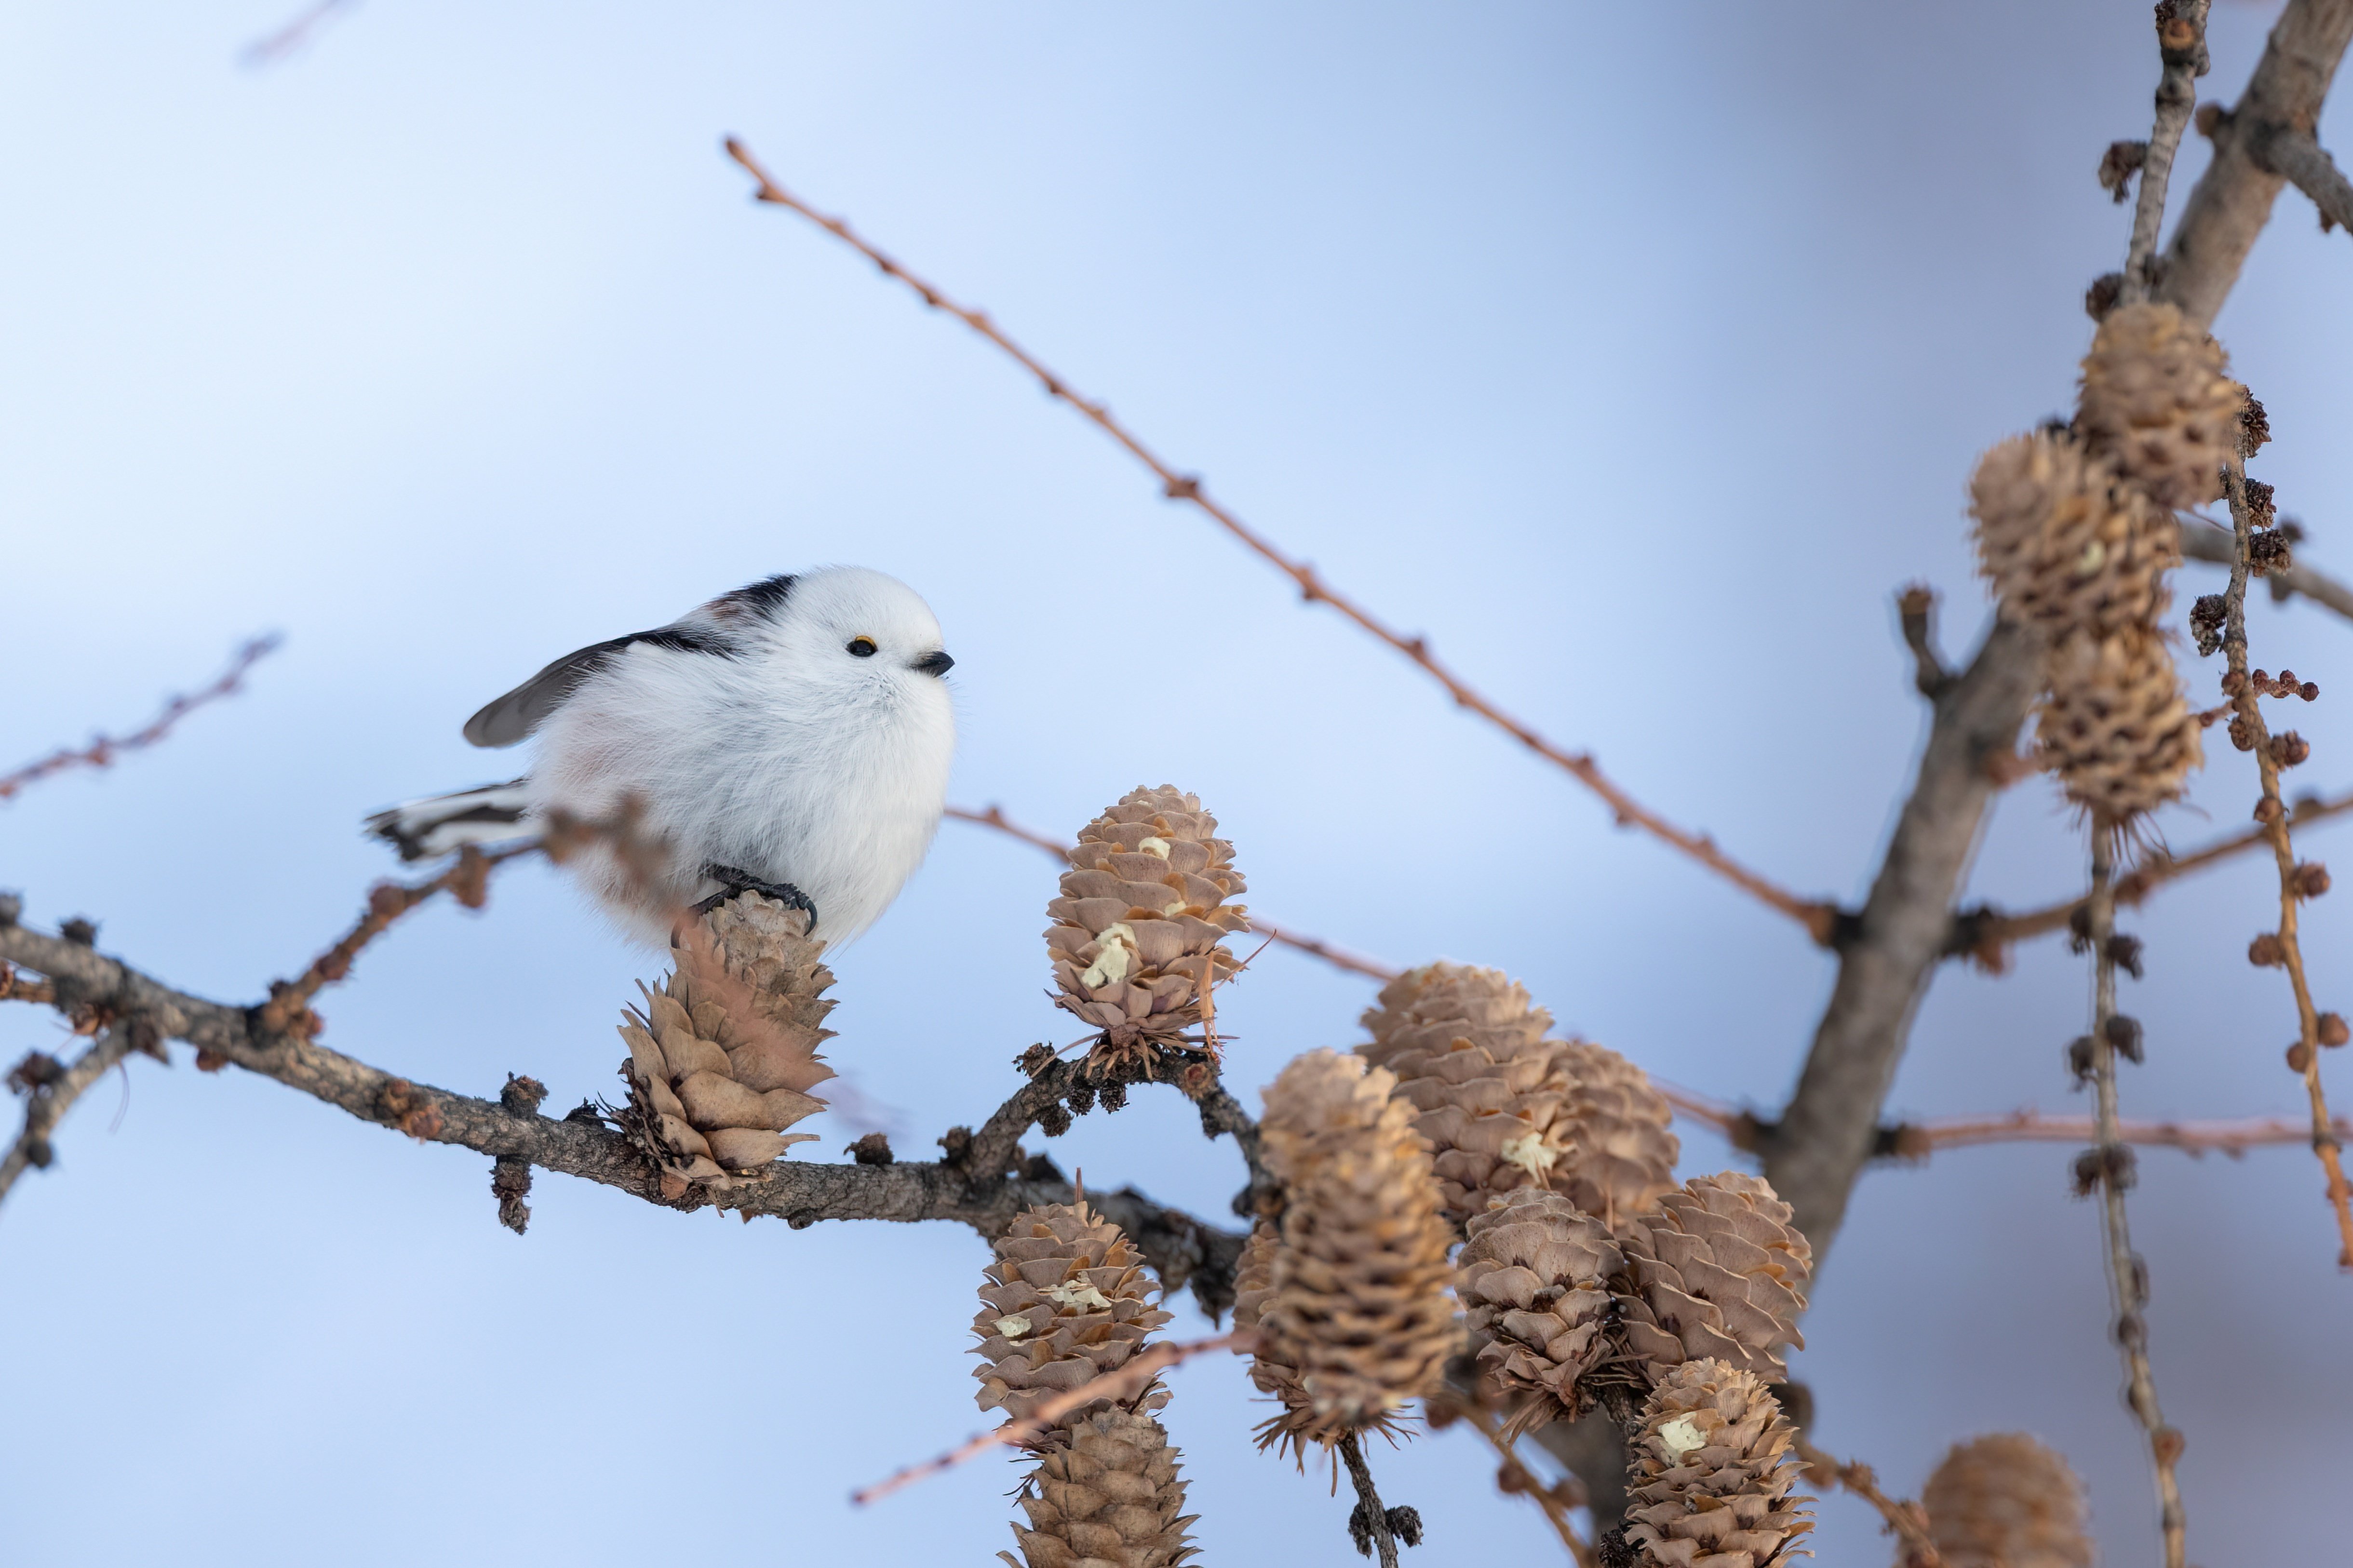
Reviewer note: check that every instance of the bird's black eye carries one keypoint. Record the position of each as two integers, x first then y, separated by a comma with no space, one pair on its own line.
862,646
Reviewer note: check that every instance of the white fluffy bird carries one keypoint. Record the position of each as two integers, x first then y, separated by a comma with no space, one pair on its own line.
791,738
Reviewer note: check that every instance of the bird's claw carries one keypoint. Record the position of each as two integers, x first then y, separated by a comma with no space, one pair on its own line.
734,882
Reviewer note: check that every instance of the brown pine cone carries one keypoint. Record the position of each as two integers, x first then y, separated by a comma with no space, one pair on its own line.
2158,403
1270,1372
2115,727
1429,1008
1067,1300
1137,930
1112,1499
1534,1284
1716,1271
1708,1481
1358,1302
2006,1501
1622,1153
723,1058
2066,544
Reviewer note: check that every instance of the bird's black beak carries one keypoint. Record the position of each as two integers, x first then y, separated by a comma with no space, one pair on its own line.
936,662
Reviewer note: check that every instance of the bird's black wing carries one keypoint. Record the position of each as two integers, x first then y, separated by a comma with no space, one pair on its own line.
525,708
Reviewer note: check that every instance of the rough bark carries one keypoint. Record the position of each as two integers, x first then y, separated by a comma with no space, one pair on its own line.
1890,950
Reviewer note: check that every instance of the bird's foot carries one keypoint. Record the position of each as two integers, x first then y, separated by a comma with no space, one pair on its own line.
734,881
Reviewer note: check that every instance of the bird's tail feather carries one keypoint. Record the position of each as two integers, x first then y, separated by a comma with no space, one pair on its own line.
421,829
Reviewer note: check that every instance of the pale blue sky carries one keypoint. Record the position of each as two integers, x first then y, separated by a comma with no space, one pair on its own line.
1636,354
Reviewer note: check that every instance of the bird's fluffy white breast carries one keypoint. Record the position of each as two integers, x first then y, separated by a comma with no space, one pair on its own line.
783,763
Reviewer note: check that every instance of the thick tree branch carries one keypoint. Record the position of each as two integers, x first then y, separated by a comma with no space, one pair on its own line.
1826,1135
1181,1248
2233,199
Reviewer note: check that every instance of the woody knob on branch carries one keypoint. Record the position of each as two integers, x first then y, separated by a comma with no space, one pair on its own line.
722,1060
1137,938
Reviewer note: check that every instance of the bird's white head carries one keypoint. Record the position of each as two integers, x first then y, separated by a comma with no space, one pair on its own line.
846,630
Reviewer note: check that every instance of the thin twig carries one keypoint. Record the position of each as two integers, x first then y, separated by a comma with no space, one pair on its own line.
1816,915
2108,1166
1514,1476
1906,1519
1915,1140
1988,930
16,987
103,751
2203,540
2227,211
2181,47
1123,1382
50,1090
2248,731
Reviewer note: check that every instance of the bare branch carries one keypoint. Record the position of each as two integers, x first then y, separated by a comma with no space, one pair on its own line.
1317,947
1906,1520
1818,916
1121,1384
1983,932
2202,542
2107,1168
1885,959
2306,163
2250,733
1180,1249
106,750
50,1088
2233,198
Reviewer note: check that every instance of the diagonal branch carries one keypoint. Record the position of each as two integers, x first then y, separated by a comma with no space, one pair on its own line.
1181,1248
2182,48
1984,933
1828,1133
2304,163
50,1088
2233,198
1818,916
2202,541
1339,958
103,751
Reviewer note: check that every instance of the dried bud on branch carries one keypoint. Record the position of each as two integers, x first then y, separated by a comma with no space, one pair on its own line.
1112,1499
2006,1501
2115,727
1136,938
1709,1481
2067,545
1719,1271
2157,403
1068,1299
722,1060
1534,1284
1359,1303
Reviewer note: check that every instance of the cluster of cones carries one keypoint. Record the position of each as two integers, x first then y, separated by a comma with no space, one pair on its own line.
1462,1194
2075,532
